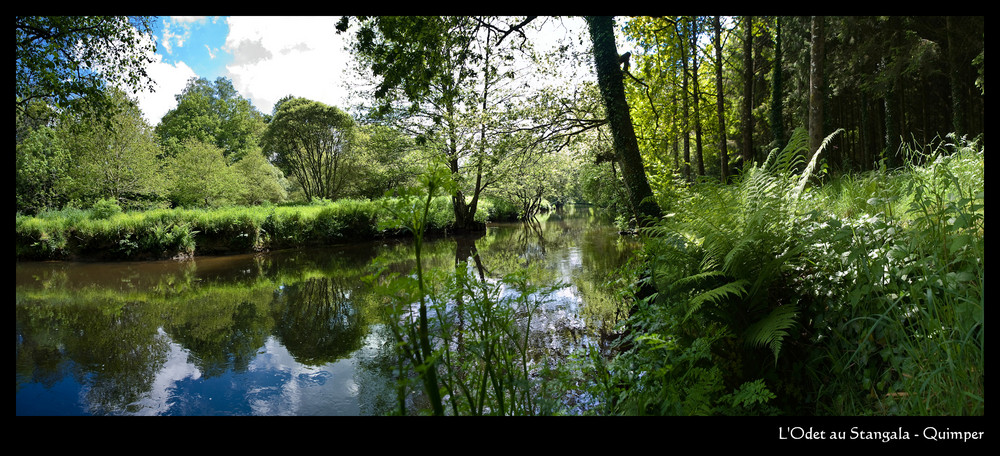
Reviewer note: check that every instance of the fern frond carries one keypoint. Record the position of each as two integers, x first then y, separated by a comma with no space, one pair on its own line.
737,257
694,281
791,156
716,295
771,330
807,173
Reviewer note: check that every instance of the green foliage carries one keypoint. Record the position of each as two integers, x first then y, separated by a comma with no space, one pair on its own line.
745,242
105,209
751,398
201,177
107,233
71,59
866,290
500,209
115,157
663,371
41,171
213,113
389,160
909,337
315,144
259,181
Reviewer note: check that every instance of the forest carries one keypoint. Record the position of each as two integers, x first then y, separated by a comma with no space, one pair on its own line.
808,192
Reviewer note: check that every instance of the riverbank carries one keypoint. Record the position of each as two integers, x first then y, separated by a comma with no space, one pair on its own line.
108,234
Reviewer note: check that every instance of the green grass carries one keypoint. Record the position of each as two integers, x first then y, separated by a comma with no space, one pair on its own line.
109,234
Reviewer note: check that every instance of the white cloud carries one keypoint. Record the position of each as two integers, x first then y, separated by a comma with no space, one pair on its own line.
278,56
170,81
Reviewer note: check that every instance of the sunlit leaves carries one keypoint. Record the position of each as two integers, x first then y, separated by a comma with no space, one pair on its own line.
70,59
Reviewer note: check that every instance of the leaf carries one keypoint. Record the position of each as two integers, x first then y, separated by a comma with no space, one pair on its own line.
716,295
772,329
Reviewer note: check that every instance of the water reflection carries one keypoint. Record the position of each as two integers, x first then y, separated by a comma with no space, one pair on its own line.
287,333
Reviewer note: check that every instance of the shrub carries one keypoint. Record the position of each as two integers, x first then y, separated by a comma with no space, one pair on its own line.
105,208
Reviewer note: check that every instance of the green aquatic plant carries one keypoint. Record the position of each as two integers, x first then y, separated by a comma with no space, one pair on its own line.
465,337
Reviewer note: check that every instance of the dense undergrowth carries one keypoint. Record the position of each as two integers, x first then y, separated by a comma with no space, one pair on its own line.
863,295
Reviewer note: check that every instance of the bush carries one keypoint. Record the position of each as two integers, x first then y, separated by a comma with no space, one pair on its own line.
105,208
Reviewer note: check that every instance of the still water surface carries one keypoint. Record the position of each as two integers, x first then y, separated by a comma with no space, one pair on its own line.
294,332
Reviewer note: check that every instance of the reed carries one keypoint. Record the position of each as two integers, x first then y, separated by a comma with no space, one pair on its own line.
466,338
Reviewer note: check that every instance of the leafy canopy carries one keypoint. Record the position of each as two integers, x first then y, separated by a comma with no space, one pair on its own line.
68,60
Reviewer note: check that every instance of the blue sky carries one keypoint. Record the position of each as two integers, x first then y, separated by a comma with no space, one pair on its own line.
265,57
198,41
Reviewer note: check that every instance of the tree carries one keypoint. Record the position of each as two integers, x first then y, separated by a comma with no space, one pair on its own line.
720,103
777,91
41,171
259,180
314,143
816,84
69,60
201,177
685,96
389,160
696,94
440,79
610,81
746,115
213,112
115,157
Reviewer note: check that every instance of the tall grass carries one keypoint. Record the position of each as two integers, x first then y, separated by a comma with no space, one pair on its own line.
910,270
106,232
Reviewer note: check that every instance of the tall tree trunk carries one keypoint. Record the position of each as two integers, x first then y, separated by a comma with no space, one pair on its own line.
610,81
686,115
894,122
958,104
777,119
720,102
673,122
695,93
816,84
747,115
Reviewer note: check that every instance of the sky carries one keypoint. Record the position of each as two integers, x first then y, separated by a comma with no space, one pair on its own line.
266,58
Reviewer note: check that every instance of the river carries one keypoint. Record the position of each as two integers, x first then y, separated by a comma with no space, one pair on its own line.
294,332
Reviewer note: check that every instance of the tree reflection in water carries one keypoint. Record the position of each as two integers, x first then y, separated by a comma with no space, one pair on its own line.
289,332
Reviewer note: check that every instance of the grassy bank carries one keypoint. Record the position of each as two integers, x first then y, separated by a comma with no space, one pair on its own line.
104,232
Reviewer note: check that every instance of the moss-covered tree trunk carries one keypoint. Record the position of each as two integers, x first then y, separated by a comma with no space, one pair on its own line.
612,86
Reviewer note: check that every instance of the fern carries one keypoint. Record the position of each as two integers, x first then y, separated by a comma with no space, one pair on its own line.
743,242
717,295
697,280
812,166
751,394
772,329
